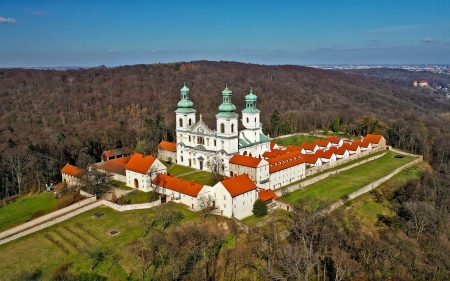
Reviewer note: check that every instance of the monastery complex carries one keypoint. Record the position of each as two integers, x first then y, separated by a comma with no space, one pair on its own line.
252,166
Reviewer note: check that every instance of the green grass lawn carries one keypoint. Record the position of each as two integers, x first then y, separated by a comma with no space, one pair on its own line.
137,196
82,231
23,209
179,170
367,208
202,177
335,187
295,140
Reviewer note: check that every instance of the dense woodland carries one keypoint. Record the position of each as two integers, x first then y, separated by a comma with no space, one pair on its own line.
50,117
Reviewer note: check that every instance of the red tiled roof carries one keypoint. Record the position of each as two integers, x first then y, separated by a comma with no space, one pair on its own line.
245,160
116,166
266,194
284,161
327,154
272,145
190,188
168,146
338,150
292,147
239,185
373,138
140,164
310,158
362,143
322,143
308,146
334,140
72,171
273,153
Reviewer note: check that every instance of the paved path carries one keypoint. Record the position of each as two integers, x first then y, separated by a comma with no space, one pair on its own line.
188,173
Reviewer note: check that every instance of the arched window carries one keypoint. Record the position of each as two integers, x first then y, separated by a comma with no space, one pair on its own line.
181,122
232,128
190,121
247,119
222,128
231,173
189,138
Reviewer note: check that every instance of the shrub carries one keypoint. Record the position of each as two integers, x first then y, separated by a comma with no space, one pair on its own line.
37,213
259,208
68,199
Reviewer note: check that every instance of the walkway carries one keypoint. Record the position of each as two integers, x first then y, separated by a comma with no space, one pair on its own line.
188,173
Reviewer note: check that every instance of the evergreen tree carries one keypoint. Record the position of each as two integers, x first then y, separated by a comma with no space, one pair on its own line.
275,121
336,124
259,208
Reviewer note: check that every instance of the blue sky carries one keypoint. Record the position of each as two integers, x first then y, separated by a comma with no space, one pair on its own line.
94,32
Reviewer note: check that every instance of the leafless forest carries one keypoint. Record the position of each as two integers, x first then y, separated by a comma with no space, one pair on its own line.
49,118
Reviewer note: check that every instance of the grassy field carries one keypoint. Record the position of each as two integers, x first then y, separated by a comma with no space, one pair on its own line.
202,177
368,208
335,187
64,243
26,208
179,170
295,140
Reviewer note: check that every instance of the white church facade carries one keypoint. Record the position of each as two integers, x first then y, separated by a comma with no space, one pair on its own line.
205,148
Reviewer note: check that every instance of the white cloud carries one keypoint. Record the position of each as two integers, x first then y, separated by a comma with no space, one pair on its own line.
428,40
39,13
8,20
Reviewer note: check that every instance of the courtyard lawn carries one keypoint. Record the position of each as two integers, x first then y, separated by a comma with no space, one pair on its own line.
138,196
295,140
26,208
202,177
179,170
337,186
67,241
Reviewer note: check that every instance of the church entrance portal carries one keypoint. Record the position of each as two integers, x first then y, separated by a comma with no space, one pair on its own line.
201,165
190,162
136,183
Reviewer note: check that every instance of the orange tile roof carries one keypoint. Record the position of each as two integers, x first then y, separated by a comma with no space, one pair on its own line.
190,188
327,154
116,166
239,185
292,147
140,164
308,146
373,138
362,143
272,145
273,153
72,171
266,194
334,140
310,158
338,150
168,146
245,160
284,161
322,143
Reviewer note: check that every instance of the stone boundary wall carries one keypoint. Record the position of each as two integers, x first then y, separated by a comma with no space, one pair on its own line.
372,185
325,175
123,208
52,221
284,205
47,217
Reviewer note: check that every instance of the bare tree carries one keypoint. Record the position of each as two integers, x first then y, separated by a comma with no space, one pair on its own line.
153,173
16,160
217,168
207,205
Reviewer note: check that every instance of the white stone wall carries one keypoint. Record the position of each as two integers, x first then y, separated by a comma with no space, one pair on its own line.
287,176
239,206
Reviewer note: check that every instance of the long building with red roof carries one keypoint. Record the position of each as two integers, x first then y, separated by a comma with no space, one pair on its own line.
72,175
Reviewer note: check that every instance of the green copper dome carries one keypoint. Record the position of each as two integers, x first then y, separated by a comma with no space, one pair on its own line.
250,103
251,96
226,105
185,104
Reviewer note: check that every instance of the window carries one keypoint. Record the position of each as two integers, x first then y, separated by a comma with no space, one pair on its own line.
190,121
200,140
189,138
255,119
222,127
232,128
224,206
215,143
247,119
181,158
181,122
224,197
223,144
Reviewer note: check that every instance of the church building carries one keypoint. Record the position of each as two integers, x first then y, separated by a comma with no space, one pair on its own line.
210,146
